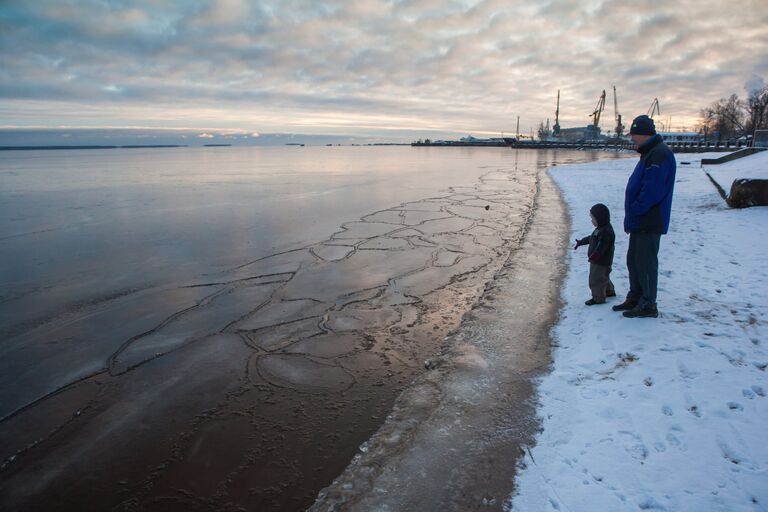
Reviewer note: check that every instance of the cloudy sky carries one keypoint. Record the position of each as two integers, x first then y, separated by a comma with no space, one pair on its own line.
385,69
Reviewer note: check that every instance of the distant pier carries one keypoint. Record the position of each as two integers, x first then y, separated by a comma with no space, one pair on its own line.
699,147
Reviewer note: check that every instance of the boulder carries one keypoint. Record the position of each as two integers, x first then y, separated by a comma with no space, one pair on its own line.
748,192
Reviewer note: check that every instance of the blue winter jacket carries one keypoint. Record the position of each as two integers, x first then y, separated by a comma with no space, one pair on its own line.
648,198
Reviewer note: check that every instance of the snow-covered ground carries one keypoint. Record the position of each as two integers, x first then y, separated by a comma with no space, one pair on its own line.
668,413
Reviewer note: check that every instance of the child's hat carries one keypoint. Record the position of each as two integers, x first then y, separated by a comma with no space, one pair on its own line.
601,214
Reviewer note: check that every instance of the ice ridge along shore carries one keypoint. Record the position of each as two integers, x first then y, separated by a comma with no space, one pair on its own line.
454,435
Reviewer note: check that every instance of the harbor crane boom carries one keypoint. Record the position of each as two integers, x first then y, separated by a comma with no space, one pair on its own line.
598,110
556,126
617,116
654,108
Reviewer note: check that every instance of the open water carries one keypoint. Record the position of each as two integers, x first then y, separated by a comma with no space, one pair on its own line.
214,328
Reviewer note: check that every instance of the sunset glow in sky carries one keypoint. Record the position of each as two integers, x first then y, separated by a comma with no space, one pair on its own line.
390,70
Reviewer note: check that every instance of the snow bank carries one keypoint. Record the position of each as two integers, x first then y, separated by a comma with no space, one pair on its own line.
667,413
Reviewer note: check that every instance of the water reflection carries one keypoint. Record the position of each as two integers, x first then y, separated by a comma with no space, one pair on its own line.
330,272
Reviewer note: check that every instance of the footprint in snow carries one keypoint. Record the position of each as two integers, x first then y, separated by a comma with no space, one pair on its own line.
685,372
626,358
649,503
673,439
635,446
733,454
666,410
759,391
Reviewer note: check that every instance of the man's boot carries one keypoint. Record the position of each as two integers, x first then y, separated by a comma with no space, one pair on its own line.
626,305
639,312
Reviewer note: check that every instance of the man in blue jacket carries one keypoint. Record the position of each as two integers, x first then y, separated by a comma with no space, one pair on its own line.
647,207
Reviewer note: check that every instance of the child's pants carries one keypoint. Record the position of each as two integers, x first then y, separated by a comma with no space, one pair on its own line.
600,282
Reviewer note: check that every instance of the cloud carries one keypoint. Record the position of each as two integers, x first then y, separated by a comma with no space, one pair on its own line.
755,83
409,64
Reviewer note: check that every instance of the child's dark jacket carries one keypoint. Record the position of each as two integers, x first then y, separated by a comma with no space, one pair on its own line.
602,241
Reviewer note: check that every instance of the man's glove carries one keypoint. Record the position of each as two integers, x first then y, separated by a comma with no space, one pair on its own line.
578,244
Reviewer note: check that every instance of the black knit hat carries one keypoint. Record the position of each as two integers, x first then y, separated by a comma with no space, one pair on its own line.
642,125
601,214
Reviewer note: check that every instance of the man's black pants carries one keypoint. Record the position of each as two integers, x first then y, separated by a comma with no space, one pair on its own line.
643,266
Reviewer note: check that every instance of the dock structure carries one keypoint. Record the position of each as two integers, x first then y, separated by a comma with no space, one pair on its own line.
691,147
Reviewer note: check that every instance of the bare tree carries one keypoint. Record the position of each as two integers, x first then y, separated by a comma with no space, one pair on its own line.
543,131
707,123
724,119
757,110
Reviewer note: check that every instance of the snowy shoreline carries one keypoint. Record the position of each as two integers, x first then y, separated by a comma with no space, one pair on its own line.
667,413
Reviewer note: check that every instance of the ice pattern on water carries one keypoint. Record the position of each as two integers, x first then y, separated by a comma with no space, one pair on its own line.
299,320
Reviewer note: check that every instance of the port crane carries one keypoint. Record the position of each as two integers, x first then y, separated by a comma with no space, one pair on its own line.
556,126
593,130
598,111
617,116
654,108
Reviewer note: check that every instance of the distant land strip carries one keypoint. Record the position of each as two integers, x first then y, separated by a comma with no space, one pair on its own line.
22,148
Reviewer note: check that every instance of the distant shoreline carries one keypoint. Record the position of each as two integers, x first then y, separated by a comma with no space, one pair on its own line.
139,146
28,148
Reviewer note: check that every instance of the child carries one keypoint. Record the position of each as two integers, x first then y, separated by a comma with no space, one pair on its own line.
600,254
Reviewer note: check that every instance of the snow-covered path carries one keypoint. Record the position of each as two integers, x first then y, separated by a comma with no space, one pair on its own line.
668,413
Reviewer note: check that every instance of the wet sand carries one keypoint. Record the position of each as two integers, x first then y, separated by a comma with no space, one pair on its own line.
454,436
252,388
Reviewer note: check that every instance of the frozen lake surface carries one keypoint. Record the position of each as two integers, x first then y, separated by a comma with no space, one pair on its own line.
202,327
